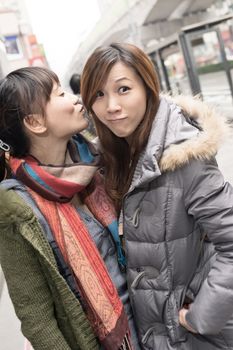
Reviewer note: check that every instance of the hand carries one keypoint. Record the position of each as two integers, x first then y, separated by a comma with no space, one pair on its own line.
183,322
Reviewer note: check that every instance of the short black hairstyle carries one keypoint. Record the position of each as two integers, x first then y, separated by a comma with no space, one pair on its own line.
75,83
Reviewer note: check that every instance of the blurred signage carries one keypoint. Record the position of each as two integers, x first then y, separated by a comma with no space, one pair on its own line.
36,52
13,47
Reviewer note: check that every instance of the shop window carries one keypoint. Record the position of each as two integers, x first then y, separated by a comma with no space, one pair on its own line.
13,47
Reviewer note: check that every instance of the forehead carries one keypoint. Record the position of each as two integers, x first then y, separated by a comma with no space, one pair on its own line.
121,71
56,87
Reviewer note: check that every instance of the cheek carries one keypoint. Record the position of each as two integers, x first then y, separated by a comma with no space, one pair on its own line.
144,100
142,108
69,107
138,105
98,110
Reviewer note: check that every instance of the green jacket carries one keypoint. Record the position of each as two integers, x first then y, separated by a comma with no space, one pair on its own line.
51,316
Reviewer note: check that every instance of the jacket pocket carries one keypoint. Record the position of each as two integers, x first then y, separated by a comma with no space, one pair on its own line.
155,337
143,279
137,280
206,260
147,310
176,332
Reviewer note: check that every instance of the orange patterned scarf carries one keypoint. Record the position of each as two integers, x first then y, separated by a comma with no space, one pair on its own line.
104,307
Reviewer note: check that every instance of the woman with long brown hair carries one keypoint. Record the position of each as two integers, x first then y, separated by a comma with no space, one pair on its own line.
118,153
176,208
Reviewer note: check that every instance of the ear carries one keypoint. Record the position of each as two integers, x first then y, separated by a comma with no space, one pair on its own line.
35,123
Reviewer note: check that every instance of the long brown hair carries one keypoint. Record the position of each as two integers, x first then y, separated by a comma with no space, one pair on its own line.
119,159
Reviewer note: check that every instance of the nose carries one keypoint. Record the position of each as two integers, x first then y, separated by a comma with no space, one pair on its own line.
75,99
113,105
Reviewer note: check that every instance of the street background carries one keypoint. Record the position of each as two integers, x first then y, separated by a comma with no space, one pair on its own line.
190,43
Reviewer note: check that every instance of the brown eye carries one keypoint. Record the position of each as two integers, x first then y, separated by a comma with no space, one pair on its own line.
99,94
124,89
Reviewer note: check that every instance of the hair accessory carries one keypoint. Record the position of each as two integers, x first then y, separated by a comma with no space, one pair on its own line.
4,146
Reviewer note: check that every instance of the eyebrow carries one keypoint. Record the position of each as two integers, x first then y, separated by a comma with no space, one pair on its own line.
122,78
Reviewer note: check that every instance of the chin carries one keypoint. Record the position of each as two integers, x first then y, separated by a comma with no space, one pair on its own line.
85,123
122,134
82,127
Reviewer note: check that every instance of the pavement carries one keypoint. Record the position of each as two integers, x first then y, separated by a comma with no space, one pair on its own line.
11,337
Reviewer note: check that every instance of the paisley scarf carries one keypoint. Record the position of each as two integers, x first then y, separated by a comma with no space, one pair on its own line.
53,187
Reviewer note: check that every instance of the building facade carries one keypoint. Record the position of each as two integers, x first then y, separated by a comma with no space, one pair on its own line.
143,22
19,46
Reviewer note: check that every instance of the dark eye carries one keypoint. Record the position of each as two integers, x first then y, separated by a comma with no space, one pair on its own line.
124,89
62,94
99,94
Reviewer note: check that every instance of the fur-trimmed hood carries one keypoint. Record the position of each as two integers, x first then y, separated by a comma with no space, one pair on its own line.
205,144
184,128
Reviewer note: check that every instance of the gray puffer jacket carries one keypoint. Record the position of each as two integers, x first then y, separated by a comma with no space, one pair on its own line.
178,227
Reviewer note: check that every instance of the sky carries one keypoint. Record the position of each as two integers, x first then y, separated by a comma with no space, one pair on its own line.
61,25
